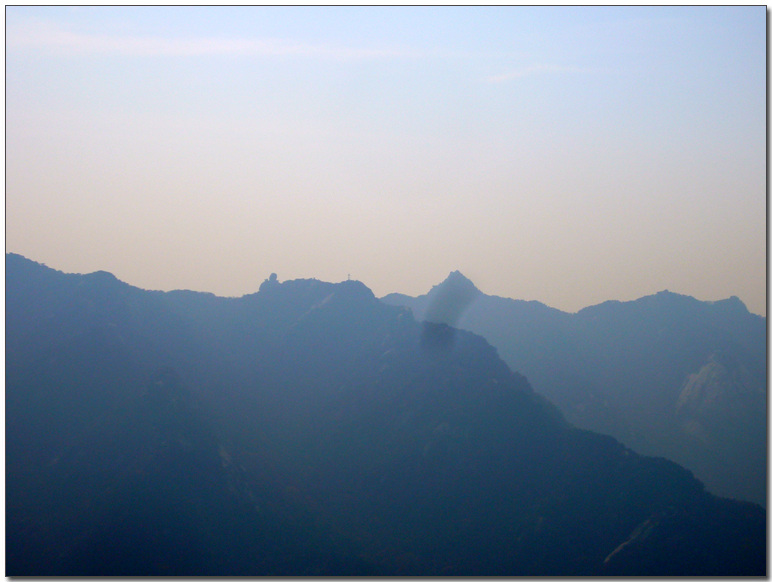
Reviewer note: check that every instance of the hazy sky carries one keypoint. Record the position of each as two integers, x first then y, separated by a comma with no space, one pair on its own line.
567,155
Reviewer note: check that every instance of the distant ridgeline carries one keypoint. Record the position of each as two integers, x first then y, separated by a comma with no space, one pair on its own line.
311,429
666,375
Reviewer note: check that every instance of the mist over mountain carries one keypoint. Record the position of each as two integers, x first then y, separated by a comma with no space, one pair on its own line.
667,375
311,429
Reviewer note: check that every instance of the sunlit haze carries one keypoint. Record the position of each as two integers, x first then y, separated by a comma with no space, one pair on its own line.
566,155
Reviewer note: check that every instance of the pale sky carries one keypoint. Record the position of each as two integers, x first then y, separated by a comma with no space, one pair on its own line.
566,155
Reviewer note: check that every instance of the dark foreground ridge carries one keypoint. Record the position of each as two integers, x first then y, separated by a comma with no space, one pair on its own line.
309,429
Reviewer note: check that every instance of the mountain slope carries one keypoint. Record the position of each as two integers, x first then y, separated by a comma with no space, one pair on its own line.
311,429
667,375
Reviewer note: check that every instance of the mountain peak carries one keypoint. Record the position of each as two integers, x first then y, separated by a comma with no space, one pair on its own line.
457,279
449,299
732,305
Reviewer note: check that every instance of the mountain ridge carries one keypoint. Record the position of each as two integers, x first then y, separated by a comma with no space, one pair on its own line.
390,444
622,368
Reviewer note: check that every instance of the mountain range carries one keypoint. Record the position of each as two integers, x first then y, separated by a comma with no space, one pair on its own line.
667,375
311,429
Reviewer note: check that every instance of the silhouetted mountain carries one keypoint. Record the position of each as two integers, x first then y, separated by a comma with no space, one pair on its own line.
311,429
667,375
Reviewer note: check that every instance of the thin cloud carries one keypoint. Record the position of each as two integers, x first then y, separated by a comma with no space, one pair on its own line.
44,36
533,70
